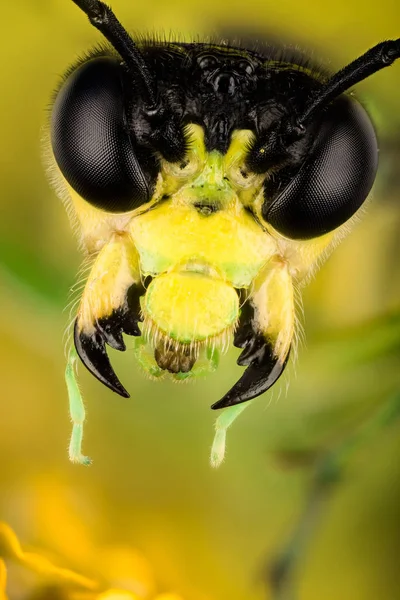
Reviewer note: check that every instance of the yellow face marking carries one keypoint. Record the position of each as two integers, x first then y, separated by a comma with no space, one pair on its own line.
273,301
230,240
115,269
190,306
174,231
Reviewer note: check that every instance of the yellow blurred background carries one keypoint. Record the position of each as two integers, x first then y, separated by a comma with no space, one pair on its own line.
150,515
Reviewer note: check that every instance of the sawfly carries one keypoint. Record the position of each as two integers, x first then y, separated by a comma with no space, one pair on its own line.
208,182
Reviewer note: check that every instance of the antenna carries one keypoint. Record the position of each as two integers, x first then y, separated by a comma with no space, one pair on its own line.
380,56
102,17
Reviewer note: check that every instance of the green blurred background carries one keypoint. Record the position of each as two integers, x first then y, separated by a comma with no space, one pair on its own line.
207,534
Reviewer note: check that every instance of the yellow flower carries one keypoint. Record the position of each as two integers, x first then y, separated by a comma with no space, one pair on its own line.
117,595
74,585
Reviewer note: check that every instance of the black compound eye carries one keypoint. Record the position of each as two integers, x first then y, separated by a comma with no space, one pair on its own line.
335,178
91,142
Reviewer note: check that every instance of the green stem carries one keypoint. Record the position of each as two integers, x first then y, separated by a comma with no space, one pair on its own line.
282,571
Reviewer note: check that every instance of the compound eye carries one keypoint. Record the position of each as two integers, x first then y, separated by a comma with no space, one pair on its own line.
335,178
91,142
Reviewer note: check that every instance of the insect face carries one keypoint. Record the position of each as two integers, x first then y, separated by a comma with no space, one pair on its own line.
208,182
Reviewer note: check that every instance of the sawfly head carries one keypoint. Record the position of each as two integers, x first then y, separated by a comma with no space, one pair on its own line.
207,182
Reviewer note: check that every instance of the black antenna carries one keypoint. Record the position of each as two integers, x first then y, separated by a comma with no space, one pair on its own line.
103,18
278,139
380,56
